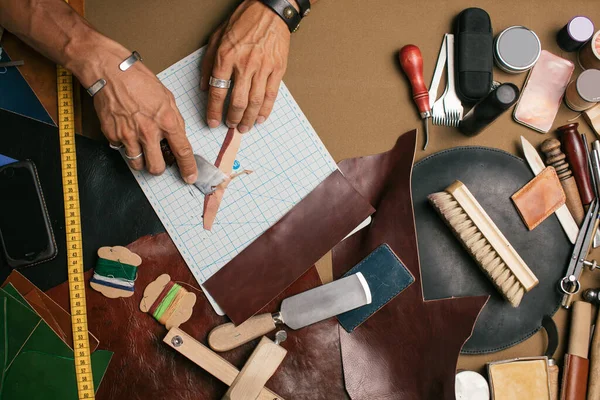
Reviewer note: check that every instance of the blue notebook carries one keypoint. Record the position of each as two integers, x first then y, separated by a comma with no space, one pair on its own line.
387,277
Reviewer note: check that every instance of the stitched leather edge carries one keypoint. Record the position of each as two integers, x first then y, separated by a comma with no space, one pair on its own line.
366,315
491,150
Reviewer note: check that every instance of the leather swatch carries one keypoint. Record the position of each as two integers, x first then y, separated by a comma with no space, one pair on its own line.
386,276
143,367
539,198
574,378
386,358
286,250
519,379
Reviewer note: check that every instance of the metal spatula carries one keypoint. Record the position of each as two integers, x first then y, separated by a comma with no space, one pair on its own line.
209,176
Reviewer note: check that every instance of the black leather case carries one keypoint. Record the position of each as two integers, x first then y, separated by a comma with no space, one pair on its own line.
474,55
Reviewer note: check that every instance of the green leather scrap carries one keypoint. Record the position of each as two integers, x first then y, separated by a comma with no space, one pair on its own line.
37,363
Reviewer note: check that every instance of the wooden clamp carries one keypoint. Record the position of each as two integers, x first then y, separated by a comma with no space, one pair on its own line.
209,360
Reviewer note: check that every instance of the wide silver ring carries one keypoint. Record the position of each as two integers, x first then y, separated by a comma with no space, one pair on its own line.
219,83
134,157
114,147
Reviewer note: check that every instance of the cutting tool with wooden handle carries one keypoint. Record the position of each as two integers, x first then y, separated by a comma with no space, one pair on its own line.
297,311
563,214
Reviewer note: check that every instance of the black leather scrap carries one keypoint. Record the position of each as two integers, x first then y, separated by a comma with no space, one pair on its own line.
448,270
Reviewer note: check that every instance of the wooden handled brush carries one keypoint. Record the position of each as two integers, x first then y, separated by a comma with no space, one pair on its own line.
484,242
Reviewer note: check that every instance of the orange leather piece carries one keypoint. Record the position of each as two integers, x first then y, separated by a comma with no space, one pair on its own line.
539,198
519,379
40,73
575,377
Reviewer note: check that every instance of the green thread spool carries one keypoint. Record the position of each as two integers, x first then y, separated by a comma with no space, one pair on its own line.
166,302
115,269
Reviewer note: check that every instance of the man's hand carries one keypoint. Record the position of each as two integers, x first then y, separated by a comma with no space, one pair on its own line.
251,48
137,111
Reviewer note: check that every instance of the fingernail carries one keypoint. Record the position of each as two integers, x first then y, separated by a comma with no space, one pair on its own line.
191,178
213,123
260,119
231,125
243,128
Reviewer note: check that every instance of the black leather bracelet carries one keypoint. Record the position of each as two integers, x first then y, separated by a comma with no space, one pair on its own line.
286,11
304,6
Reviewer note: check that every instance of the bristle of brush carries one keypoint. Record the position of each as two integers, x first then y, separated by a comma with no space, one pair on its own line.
478,247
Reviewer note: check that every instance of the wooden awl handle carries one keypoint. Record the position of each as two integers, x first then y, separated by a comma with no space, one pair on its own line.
575,151
411,61
228,336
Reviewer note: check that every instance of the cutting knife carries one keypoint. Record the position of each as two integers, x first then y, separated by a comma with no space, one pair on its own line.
296,312
563,214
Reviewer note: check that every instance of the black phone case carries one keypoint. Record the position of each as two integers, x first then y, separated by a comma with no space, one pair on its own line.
51,249
474,53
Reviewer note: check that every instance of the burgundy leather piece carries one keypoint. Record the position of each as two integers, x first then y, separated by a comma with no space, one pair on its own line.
575,377
143,367
287,249
409,348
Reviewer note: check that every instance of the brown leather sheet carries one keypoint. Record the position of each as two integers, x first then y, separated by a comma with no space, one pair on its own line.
143,367
40,73
409,348
286,250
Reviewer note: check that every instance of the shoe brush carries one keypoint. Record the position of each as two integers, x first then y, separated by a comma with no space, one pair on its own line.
484,242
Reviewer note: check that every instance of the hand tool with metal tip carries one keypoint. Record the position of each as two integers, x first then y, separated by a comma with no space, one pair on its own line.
411,61
297,312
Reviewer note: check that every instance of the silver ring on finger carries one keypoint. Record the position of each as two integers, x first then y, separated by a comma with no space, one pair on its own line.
219,83
134,157
115,146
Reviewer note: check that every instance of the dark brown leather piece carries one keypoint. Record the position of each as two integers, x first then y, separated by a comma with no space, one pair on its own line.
539,198
575,377
287,249
409,348
40,73
143,367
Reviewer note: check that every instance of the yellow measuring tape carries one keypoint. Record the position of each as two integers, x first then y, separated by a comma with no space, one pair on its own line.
66,129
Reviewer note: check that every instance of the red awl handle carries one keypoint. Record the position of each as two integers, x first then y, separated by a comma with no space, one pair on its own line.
411,61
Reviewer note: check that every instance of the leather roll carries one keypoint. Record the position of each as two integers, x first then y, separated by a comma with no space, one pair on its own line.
575,376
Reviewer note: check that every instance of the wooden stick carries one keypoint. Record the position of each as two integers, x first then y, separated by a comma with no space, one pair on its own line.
209,360
259,368
228,336
594,377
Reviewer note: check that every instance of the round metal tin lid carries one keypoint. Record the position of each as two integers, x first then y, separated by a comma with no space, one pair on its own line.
580,29
518,48
588,85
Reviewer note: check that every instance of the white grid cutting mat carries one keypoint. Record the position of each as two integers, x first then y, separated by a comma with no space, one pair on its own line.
285,153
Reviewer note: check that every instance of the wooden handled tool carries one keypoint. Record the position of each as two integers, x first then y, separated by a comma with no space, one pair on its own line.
576,154
209,360
579,337
556,158
227,336
594,377
411,61
259,368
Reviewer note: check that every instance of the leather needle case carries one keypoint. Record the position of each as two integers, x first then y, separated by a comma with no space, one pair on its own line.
539,198
474,54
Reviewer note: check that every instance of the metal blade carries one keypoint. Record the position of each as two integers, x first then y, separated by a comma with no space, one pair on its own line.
326,301
533,158
209,176
437,74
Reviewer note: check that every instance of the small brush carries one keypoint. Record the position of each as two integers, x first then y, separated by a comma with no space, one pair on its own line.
484,242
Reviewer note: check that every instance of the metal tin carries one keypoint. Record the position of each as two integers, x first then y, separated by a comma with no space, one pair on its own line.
584,92
470,385
589,54
516,49
575,34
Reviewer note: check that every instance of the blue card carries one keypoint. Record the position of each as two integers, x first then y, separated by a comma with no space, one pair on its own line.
386,276
6,160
